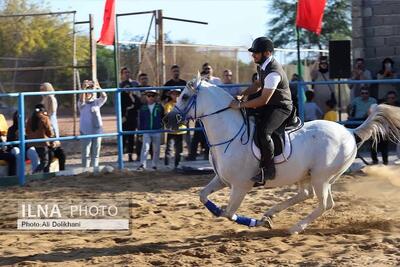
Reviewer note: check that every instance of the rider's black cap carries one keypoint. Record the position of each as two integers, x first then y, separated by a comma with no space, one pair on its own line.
262,44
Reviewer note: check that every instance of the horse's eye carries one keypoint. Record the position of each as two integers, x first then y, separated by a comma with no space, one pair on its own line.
185,97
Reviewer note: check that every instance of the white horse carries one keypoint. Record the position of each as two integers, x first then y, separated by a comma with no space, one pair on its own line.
321,152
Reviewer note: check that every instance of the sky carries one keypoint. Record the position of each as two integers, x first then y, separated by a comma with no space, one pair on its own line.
230,22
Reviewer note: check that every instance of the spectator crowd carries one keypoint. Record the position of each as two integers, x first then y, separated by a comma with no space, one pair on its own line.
145,110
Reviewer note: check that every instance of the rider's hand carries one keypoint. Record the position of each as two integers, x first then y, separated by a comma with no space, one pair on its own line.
234,104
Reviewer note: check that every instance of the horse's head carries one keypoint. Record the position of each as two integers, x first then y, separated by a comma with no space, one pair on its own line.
185,105
196,99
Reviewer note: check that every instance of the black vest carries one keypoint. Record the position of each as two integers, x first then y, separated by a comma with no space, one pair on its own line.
282,96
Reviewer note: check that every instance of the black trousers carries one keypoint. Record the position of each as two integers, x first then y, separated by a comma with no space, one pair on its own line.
11,161
268,121
128,140
198,137
383,147
43,154
176,141
59,153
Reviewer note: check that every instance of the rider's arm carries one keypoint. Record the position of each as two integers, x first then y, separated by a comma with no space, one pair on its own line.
252,89
259,101
270,84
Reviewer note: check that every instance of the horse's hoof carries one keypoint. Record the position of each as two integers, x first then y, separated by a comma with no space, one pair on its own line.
266,221
295,230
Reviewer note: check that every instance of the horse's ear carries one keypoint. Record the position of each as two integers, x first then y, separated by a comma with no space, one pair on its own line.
191,85
198,79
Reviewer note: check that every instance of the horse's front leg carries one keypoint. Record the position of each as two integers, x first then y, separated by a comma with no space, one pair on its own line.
236,197
215,185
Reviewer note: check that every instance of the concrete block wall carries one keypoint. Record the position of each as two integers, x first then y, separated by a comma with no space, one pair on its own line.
376,32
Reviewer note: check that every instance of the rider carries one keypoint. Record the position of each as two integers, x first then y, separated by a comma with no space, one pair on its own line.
273,103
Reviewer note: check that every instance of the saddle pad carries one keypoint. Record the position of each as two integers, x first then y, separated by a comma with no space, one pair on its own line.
287,150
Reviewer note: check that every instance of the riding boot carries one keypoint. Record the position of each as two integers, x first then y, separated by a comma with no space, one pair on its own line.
267,165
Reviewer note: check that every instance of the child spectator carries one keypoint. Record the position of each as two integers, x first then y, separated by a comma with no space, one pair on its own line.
91,123
150,118
331,114
50,105
39,126
311,110
176,138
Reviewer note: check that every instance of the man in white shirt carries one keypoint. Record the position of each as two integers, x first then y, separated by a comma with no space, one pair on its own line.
208,70
273,103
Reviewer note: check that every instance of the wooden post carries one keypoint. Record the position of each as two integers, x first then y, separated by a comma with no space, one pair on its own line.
156,51
161,48
237,65
93,53
74,105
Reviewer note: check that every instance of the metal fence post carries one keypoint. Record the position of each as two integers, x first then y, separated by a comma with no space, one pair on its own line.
300,97
21,137
119,129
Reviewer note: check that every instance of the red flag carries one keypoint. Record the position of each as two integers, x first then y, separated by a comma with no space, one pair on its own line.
108,29
309,14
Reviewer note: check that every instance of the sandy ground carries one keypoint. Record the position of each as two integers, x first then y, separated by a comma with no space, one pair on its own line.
170,227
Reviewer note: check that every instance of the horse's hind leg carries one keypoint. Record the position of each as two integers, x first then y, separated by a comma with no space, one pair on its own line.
305,192
323,192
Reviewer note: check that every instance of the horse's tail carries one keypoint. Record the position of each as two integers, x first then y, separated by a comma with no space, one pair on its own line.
382,123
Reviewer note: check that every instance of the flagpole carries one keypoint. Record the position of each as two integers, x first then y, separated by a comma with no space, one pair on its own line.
118,98
300,86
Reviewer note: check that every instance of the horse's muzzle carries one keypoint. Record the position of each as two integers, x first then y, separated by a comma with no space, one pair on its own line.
172,120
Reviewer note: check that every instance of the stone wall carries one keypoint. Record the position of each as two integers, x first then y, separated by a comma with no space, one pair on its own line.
376,32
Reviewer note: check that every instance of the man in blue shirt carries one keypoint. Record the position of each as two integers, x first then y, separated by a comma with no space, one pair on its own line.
361,104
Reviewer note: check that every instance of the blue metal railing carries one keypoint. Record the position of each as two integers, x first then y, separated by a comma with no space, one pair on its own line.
302,85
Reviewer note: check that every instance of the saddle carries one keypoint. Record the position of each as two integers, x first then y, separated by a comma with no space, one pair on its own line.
280,138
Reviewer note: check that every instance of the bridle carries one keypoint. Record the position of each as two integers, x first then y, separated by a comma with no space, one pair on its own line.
182,117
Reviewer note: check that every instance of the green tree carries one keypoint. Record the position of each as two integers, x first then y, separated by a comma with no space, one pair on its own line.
336,24
44,40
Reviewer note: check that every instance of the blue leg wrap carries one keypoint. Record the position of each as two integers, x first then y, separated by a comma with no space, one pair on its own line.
244,220
213,208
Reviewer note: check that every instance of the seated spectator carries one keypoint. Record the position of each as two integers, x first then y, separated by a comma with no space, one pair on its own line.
39,126
227,79
331,114
3,125
4,154
359,73
56,151
208,71
311,110
150,118
387,72
175,81
50,104
383,145
91,123
360,105
174,139
31,154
